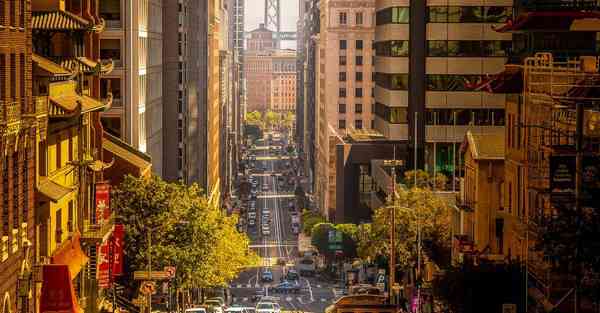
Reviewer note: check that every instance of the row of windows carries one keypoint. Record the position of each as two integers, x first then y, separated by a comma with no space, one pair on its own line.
468,48
12,77
343,18
434,82
468,14
13,13
358,60
358,124
20,209
358,92
358,76
358,44
392,48
486,117
482,117
393,115
358,108
393,15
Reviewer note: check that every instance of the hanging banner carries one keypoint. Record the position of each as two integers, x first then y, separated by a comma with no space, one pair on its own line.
103,272
118,240
562,180
102,203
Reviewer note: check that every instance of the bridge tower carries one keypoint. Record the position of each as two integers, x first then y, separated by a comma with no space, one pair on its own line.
273,18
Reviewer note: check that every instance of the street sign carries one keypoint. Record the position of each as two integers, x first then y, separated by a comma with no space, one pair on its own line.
148,288
171,270
335,247
154,275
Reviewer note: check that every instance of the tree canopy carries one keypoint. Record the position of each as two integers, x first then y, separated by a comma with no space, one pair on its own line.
415,207
254,118
185,231
309,220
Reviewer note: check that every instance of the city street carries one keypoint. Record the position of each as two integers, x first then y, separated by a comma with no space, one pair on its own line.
278,246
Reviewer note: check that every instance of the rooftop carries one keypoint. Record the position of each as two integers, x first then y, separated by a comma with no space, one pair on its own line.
485,144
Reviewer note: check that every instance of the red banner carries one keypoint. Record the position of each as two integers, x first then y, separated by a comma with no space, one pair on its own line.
118,240
102,203
103,272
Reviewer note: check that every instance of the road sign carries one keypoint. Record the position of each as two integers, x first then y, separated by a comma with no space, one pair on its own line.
154,275
335,247
148,288
171,270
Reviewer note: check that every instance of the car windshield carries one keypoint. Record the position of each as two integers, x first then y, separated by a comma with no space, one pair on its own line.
265,306
213,302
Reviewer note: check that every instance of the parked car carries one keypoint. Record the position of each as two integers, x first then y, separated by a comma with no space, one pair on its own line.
292,275
266,276
251,215
251,222
268,307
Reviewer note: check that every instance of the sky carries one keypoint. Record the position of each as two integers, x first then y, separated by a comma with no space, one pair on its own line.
255,10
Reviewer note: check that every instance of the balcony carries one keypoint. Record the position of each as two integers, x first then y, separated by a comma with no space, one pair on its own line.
96,233
10,112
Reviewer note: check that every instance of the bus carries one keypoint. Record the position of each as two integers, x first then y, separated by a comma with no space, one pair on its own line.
362,304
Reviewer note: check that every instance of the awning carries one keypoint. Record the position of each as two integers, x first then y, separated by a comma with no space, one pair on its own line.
71,255
57,294
68,102
58,20
52,190
553,20
86,65
124,153
50,67
510,80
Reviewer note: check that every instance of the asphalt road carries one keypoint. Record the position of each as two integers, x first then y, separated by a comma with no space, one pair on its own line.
281,243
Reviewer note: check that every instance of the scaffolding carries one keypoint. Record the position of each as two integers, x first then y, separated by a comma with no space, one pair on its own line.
552,91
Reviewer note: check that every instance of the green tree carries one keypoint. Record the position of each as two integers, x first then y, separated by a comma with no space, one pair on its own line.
185,231
254,118
424,179
416,207
309,220
349,239
320,238
272,118
289,119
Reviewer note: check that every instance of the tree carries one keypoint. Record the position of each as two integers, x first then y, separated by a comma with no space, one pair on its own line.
289,119
309,220
416,207
186,232
272,118
320,238
254,118
424,179
349,239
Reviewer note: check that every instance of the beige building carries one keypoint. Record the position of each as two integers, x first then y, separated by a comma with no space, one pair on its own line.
133,40
344,65
283,81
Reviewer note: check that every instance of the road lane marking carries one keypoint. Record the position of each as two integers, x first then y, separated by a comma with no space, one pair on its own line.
309,290
323,299
244,299
318,286
248,286
239,285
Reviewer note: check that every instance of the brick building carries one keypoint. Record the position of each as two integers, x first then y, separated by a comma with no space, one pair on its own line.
17,146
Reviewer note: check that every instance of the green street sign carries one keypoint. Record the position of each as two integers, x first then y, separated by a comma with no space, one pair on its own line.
335,247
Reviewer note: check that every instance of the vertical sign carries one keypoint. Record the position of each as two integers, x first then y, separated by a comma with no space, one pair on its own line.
102,203
103,272
117,242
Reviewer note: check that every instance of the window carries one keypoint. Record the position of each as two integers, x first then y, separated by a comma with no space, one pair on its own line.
358,92
5,182
70,147
22,81
468,14
342,124
392,81
358,108
359,44
359,76
342,60
392,48
342,93
486,117
22,13
359,18
342,77
468,48
343,44
2,77
15,192
393,15
58,152
358,124
2,14
71,216
451,82
13,13
359,60
13,75
342,108
343,18
392,115
58,235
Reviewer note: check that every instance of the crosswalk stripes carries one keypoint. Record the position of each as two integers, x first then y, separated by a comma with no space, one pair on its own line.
318,286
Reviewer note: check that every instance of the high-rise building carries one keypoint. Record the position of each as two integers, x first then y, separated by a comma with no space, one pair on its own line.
133,41
283,81
344,85
212,119
18,133
428,54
